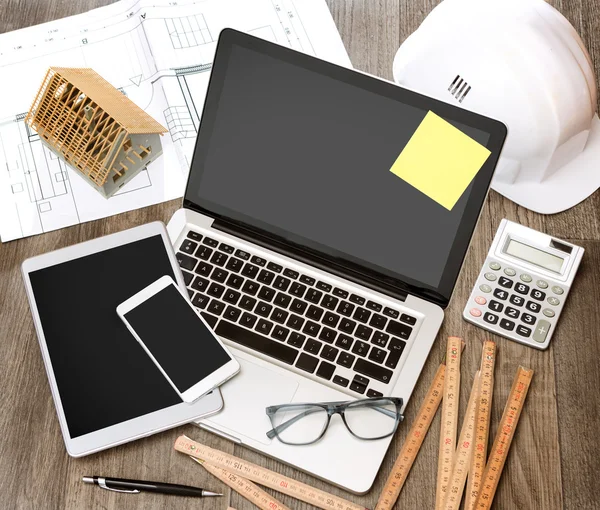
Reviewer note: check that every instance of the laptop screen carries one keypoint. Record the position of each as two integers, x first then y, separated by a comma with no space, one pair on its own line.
303,150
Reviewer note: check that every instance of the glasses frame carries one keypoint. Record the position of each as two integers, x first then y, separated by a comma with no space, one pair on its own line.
331,408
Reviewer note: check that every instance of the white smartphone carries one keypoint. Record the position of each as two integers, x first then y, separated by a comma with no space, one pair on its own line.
177,339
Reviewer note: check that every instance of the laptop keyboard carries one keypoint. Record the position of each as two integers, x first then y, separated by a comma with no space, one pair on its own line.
342,338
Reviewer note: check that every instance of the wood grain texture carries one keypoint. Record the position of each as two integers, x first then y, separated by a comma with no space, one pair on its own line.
554,459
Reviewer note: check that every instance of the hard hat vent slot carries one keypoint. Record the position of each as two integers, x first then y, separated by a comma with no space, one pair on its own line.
459,88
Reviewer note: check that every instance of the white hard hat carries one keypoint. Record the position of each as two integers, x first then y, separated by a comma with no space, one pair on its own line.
523,63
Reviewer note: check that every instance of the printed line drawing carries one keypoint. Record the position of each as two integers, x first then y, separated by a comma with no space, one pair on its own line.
188,31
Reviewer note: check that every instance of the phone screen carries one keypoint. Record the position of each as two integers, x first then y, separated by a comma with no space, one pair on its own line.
179,341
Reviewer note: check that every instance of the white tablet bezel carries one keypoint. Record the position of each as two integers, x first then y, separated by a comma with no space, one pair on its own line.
212,380
134,428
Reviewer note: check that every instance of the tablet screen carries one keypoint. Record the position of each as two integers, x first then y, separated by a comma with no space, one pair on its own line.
103,375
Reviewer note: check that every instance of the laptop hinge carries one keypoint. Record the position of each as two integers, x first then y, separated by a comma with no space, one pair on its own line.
310,258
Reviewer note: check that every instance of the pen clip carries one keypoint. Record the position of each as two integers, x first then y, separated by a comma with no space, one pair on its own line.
102,483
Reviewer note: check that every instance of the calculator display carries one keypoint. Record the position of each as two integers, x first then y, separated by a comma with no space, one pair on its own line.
533,255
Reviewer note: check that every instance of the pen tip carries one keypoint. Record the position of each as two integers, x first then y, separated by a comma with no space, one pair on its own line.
209,493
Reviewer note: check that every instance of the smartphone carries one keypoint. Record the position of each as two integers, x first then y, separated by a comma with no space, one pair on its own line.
176,337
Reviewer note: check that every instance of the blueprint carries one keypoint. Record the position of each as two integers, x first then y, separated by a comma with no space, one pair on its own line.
159,54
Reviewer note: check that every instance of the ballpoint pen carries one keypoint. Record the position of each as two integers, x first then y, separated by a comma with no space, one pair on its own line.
136,486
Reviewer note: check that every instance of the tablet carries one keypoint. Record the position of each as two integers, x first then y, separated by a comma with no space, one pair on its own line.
106,389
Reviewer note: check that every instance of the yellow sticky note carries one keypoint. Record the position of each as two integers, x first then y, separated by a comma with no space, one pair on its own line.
440,160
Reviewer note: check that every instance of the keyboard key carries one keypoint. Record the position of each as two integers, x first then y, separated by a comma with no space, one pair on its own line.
249,270
298,306
398,329
372,370
528,319
266,293
282,300
232,313
340,293
314,312
325,370
361,315
231,296
200,284
359,300
347,326
248,320
513,313
234,265
200,301
295,322
500,294
216,307
313,295
358,388
329,352
185,261
210,242
281,283
346,359
263,309
247,303
538,294
264,326
219,259
329,302
390,312
226,248
495,306
360,348
307,362
219,275
307,279
194,235
187,277
345,308
250,287
377,321
274,267
297,289
359,379
258,261
311,328
296,339
266,277
188,247
203,252
374,306
190,293
259,343
342,381
377,355
516,300
204,268
380,339
507,283
331,319
490,318
521,288
408,319
324,286
344,341
290,273
279,315
280,333
235,281
363,332
533,306
312,346
242,254
396,349
523,331
211,320
328,335
506,324
373,394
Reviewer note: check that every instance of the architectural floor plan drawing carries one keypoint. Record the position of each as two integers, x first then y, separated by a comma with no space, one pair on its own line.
157,52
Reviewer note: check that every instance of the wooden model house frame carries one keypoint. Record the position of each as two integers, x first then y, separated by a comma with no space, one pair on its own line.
99,131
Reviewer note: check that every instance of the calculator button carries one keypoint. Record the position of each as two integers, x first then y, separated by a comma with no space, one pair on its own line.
506,324
528,319
495,306
480,300
485,288
495,266
509,271
523,331
548,313
557,290
534,307
521,288
490,276
554,301
491,318
513,313
500,294
542,284
541,332
516,300
475,312
526,278
507,283
538,294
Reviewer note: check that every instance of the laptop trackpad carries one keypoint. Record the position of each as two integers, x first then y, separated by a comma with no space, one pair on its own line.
247,395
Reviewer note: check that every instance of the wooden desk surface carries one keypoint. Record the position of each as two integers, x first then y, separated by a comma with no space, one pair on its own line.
555,457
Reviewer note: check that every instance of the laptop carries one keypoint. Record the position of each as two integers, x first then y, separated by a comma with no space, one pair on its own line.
324,272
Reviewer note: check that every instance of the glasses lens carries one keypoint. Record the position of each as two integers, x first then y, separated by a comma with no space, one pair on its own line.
372,419
302,424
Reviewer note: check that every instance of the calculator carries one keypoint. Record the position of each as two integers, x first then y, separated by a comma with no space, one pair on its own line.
523,285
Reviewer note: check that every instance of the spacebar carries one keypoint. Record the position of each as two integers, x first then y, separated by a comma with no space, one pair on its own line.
257,342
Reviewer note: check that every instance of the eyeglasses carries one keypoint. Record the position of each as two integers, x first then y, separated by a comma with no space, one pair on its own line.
302,424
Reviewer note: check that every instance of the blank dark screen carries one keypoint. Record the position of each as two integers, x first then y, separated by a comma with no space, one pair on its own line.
179,341
103,375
